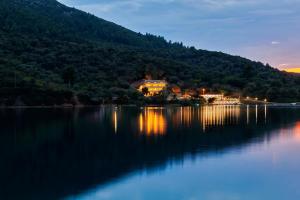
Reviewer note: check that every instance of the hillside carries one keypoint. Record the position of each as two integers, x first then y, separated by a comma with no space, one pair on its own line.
50,53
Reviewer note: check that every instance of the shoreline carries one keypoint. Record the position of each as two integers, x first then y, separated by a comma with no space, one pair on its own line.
292,105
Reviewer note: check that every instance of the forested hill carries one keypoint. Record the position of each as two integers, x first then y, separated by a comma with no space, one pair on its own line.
54,20
50,53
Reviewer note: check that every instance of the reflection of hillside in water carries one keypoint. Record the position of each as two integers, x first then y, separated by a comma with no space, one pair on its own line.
66,152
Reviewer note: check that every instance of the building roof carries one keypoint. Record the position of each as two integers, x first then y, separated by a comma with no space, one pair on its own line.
216,95
153,81
141,82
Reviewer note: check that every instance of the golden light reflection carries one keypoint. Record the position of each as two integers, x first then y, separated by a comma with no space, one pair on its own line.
115,120
183,116
219,115
152,121
186,115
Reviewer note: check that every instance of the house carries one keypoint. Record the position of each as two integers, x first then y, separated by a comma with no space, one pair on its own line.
152,87
175,89
220,99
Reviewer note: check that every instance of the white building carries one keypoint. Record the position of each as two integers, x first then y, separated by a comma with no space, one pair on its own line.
220,99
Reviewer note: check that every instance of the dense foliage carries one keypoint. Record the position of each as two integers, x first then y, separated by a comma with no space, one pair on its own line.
53,54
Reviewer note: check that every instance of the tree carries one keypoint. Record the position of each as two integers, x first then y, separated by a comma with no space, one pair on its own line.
68,75
247,72
145,91
211,100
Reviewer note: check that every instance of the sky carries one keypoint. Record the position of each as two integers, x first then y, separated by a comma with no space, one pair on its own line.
261,30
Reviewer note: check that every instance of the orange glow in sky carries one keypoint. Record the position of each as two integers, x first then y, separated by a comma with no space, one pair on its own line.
293,70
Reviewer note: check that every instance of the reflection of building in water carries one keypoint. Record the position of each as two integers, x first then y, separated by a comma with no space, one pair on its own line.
219,115
181,116
152,121
256,113
115,119
186,115
265,113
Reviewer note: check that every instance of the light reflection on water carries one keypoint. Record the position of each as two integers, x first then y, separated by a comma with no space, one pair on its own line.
115,120
154,120
219,115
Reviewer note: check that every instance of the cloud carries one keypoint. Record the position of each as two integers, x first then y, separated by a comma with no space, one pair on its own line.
275,42
99,8
272,12
220,4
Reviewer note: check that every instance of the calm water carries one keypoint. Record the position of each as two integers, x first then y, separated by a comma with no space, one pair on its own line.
169,153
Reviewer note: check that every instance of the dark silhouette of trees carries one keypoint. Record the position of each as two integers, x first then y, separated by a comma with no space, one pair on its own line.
145,91
68,76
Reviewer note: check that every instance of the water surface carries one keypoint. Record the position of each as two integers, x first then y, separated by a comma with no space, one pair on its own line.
210,152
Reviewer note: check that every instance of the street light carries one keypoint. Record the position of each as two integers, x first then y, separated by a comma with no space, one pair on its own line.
203,91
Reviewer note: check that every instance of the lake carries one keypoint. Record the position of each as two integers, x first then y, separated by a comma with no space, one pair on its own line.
132,153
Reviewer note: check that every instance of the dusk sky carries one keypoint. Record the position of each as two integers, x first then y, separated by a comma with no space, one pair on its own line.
261,30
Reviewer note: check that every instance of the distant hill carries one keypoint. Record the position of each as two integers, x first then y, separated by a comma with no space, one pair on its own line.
53,54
